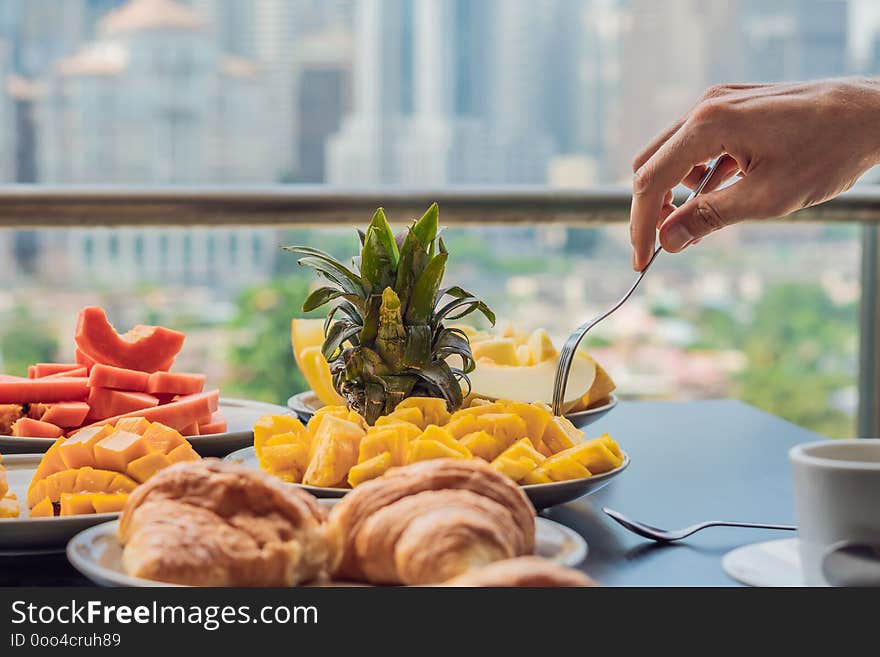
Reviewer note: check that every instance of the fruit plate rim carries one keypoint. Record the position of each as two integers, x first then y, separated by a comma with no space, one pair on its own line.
237,439
81,548
575,488
297,404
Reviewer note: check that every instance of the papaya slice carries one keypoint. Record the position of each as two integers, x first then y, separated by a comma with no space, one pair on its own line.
177,414
78,372
216,424
24,391
66,414
105,402
118,378
83,359
144,348
48,369
175,383
29,428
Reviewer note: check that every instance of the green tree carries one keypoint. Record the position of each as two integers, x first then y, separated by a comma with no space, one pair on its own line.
25,340
261,360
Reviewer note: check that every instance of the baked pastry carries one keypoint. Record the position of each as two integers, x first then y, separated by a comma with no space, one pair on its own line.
528,571
210,523
427,522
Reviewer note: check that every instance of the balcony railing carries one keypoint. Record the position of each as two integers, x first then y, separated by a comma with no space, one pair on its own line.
68,207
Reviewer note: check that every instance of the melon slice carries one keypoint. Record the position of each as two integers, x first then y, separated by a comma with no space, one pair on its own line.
144,348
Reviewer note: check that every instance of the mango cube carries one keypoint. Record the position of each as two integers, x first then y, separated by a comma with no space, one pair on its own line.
122,484
93,480
183,453
163,439
146,466
43,509
371,468
79,450
138,425
109,502
59,483
74,504
119,449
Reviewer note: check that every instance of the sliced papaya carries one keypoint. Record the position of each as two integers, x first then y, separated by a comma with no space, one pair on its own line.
105,402
175,383
143,348
216,424
25,391
66,414
29,428
48,369
78,372
177,414
118,378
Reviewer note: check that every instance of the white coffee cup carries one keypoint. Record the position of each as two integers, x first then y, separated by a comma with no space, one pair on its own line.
837,498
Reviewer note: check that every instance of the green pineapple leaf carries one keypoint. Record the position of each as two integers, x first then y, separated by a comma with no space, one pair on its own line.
424,294
426,228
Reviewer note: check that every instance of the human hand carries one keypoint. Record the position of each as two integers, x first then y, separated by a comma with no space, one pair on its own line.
794,144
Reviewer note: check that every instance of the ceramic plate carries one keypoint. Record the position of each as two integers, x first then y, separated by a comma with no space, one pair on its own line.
240,417
24,535
306,403
541,495
97,554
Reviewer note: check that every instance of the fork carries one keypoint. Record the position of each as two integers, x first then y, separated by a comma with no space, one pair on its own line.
671,535
566,356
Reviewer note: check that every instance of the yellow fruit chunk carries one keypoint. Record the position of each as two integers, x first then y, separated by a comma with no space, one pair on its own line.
119,449
122,484
108,502
562,467
612,445
92,480
288,461
51,462
76,504
43,509
183,453
4,484
434,409
424,450
501,351
79,450
36,492
146,466
524,356
9,507
371,468
561,434
462,426
390,440
334,451
482,445
541,346
163,439
306,338
603,386
506,427
594,455
536,476
412,414
535,416
271,425
476,409
138,425
518,460
408,429
442,436
60,482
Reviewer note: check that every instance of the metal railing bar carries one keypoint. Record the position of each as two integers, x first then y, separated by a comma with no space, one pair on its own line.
869,335
33,206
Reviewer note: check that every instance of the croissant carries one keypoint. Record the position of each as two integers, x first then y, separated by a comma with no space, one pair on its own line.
427,522
210,523
528,571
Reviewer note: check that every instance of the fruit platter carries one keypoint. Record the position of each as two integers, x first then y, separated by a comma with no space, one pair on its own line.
115,377
400,379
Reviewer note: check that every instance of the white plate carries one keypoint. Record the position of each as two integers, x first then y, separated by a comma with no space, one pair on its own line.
97,554
771,563
542,496
241,414
25,535
306,403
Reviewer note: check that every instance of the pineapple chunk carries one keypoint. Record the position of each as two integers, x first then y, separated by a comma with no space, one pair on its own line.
482,445
334,451
594,455
370,468
424,450
271,425
536,418
562,467
411,414
442,436
506,427
518,460
536,476
408,429
561,434
462,426
389,440
478,409
9,507
434,410
612,445
287,461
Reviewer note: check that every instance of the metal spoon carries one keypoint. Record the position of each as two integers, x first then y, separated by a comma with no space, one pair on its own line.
670,535
852,564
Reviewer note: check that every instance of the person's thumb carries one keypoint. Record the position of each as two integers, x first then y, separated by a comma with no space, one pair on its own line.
709,212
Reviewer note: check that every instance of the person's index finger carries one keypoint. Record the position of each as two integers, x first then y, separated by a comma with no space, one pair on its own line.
664,170
645,154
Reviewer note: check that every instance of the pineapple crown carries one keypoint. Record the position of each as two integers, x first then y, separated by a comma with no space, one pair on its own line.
385,337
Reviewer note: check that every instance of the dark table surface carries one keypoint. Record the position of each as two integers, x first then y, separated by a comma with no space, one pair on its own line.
691,461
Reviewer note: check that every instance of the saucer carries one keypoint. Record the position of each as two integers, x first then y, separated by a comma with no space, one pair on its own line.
772,563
